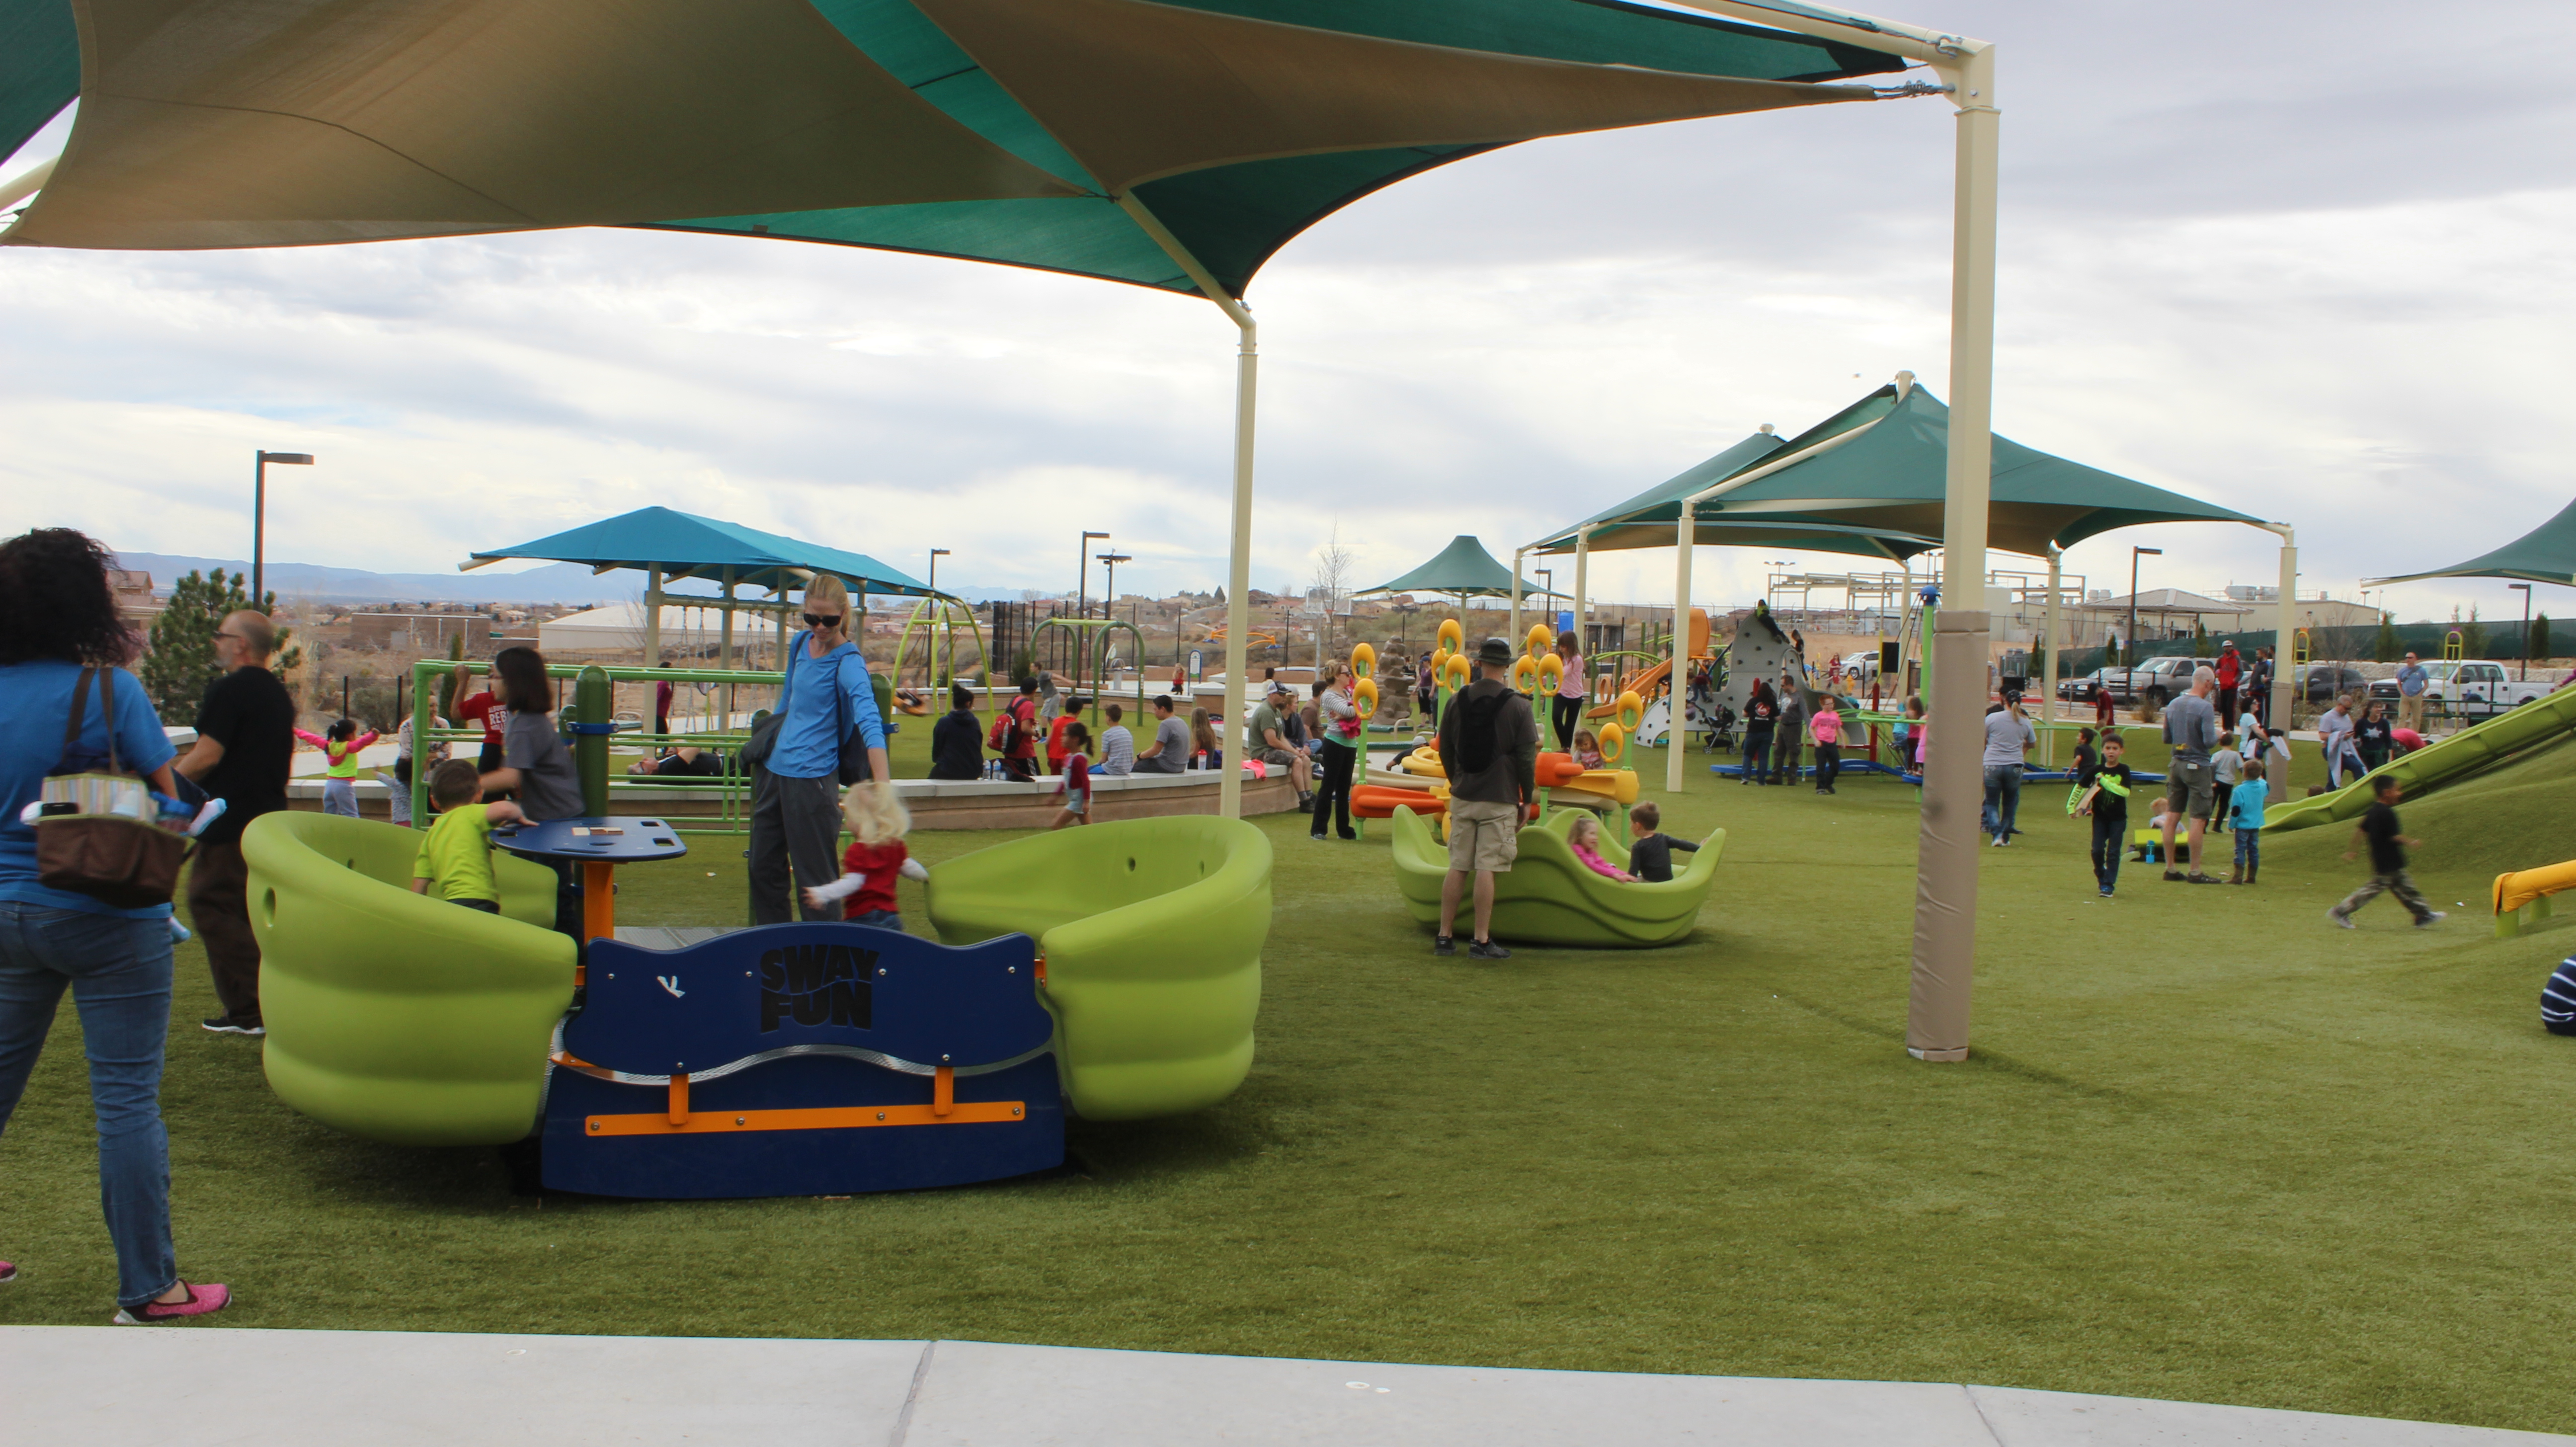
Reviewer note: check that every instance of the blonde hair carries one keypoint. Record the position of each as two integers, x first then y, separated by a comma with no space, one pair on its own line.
875,813
1586,831
824,588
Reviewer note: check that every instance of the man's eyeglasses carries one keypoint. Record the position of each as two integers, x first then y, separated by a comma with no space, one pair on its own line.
237,638
817,621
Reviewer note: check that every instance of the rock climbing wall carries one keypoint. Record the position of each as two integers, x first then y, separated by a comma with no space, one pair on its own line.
1761,650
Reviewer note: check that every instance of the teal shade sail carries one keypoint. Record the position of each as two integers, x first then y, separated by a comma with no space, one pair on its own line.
684,545
2546,554
1463,570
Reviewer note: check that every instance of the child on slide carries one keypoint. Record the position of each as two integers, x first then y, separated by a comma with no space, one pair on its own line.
876,857
1650,851
1585,840
454,862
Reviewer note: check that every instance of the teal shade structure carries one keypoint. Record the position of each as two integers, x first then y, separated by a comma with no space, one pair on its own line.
684,545
2546,554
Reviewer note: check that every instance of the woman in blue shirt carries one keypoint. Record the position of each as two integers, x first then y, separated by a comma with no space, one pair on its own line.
58,617
796,796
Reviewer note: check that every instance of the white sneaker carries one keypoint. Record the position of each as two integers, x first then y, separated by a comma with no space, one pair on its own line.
2340,921
2432,917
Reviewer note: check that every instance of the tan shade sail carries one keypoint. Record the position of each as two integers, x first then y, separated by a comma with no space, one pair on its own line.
233,123
1137,91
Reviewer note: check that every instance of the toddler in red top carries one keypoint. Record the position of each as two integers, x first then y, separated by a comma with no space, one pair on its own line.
876,858
1075,791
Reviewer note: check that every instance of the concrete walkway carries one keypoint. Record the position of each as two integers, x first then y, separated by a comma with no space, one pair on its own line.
197,1386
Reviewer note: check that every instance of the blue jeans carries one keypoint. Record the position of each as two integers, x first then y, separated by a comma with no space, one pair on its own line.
2003,798
2249,848
340,796
118,971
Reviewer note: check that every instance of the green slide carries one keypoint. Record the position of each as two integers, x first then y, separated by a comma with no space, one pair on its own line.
1550,898
392,1015
2464,752
1149,938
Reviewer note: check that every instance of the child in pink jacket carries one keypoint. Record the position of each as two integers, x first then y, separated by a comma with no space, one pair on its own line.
1584,838
340,781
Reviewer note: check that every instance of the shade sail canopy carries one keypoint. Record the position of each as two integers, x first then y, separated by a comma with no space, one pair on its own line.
684,545
2546,554
1883,486
994,130
1464,570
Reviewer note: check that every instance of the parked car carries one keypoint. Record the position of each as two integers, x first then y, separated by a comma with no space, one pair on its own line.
2471,687
2080,689
2163,679
2317,684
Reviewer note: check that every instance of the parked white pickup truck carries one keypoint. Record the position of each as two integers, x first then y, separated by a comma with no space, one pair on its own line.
2469,687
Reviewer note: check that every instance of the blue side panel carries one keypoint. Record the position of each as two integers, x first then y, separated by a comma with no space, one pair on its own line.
39,67
801,1162
826,991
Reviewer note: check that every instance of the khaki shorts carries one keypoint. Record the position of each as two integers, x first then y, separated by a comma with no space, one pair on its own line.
2190,788
1277,758
1483,836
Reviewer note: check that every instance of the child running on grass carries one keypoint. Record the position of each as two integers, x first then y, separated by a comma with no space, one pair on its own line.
340,781
2245,816
1584,838
875,859
2106,798
455,858
1075,791
2388,849
1651,853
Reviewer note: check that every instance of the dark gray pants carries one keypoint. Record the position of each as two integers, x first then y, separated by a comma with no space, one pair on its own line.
794,822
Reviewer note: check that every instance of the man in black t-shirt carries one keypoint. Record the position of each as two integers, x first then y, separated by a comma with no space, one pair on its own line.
2378,828
245,748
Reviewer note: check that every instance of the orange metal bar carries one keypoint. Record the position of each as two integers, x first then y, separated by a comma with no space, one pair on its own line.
680,1098
963,1112
598,899
943,1091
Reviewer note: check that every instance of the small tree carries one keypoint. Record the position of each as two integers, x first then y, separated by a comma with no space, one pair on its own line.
2473,637
1332,580
182,661
2199,639
2539,644
447,682
2385,647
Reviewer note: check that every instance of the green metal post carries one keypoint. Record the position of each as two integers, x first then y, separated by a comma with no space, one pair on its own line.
593,718
421,747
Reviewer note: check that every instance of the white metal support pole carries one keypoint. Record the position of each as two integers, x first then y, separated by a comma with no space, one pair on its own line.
1238,610
1945,889
1518,555
2276,717
2048,674
1582,592
652,617
1676,678
1238,576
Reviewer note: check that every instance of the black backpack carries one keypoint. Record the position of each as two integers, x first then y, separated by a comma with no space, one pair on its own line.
1479,730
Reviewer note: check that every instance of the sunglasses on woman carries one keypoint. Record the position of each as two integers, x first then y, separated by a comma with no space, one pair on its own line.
815,621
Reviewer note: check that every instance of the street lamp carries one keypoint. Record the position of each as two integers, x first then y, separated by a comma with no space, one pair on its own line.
1081,597
2524,589
2134,555
935,555
1109,589
259,516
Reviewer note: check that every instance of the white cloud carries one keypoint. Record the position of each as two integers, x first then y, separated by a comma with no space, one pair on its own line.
2274,286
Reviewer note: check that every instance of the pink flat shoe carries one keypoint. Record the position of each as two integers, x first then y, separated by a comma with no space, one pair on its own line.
8,1271
203,1299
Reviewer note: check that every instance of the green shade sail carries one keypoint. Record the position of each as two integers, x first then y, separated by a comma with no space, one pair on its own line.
1881,491
2546,554
993,130
684,545
1463,570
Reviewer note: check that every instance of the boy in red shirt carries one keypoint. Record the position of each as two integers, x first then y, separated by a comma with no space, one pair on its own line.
1073,708
876,858
1075,791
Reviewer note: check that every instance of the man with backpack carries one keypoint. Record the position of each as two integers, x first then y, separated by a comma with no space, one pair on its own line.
1015,733
1489,750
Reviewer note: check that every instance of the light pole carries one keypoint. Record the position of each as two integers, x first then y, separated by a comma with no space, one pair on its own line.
2524,671
935,555
1081,597
259,516
2134,555
1109,589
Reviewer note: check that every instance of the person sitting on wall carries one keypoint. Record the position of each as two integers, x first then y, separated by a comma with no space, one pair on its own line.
957,740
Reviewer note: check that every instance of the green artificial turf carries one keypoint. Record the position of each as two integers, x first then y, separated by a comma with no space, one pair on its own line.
2208,1147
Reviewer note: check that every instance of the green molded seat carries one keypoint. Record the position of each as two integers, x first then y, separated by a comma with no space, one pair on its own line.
1549,898
1150,931
393,1015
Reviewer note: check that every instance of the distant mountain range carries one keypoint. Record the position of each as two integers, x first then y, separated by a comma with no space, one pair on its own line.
563,583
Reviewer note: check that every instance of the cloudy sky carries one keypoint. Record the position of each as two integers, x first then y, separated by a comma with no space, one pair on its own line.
2310,261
